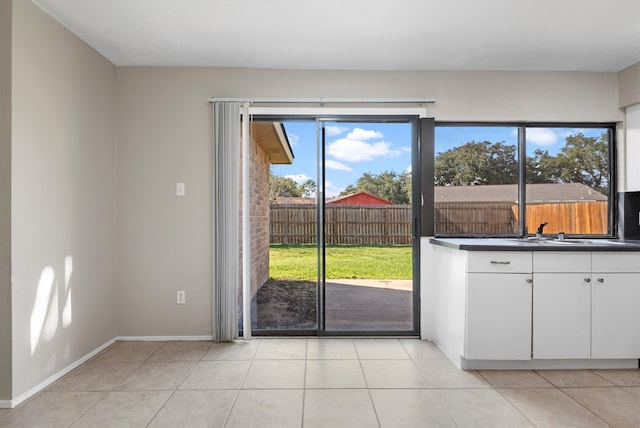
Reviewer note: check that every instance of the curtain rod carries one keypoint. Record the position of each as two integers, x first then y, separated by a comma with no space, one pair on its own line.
326,100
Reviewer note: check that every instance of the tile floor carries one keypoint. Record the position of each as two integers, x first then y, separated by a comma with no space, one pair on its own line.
320,383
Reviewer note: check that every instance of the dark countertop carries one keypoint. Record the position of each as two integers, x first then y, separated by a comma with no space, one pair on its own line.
520,244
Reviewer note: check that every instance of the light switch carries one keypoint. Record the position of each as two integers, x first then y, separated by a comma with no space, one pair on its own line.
181,297
180,189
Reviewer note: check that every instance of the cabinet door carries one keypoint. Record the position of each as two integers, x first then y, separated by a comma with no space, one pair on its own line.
615,317
561,315
498,324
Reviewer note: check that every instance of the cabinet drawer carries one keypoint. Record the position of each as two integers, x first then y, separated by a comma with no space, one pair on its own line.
561,261
499,262
615,262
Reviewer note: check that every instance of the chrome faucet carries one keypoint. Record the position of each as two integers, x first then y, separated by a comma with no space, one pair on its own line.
540,229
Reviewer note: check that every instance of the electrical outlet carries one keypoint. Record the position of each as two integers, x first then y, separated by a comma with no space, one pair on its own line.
181,297
180,189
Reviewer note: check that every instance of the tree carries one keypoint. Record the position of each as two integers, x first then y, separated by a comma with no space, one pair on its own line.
477,163
542,168
392,186
287,187
585,160
308,188
582,160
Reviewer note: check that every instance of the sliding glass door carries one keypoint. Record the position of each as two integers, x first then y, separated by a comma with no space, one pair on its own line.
342,230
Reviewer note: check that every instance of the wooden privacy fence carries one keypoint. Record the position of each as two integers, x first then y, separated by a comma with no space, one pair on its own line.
391,224
344,224
461,219
578,218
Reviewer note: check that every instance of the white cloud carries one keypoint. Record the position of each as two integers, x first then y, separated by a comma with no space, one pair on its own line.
299,178
339,166
541,136
331,190
350,150
332,131
293,139
363,134
409,169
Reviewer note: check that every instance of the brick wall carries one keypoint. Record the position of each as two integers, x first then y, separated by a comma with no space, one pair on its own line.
259,218
259,211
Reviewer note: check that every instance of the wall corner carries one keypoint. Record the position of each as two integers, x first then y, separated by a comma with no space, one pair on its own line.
629,86
6,18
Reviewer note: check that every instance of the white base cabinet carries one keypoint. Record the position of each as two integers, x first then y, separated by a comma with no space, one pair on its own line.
590,314
615,315
561,316
533,309
498,323
498,312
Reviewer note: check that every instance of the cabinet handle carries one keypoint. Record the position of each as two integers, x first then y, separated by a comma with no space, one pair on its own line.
601,280
495,262
529,280
587,280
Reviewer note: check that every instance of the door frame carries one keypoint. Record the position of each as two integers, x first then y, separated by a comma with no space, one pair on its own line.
416,186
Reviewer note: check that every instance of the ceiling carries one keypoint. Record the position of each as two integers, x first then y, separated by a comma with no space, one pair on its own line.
552,35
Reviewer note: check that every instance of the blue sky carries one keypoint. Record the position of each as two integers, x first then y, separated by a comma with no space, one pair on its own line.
549,139
355,148
351,150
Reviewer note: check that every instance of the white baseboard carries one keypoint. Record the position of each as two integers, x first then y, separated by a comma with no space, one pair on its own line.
42,385
10,404
163,338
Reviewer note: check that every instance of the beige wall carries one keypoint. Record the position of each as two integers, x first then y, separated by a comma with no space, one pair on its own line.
63,199
629,86
164,241
5,199
164,136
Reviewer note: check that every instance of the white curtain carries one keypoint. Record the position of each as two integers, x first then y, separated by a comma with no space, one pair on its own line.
226,137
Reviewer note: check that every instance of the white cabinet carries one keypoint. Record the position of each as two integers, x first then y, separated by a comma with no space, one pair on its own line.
586,313
615,315
561,315
498,316
533,309
615,305
498,324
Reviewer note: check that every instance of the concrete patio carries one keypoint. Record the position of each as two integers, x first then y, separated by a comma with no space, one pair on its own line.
366,304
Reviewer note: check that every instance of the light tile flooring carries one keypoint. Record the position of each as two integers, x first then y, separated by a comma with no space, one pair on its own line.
320,383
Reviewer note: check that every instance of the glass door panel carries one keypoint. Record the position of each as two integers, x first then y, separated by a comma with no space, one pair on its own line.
287,298
367,218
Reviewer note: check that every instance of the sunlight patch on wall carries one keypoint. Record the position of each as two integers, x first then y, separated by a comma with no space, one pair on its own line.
44,316
66,310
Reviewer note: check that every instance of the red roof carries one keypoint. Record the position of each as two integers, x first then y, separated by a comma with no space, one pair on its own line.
359,198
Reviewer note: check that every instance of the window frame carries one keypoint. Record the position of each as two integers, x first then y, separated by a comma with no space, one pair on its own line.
609,127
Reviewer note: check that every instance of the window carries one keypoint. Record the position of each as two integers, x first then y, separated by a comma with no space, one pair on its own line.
483,172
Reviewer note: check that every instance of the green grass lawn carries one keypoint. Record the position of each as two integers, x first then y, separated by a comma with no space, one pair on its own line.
299,262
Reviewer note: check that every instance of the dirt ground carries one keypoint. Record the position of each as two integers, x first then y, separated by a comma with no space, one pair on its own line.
286,305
